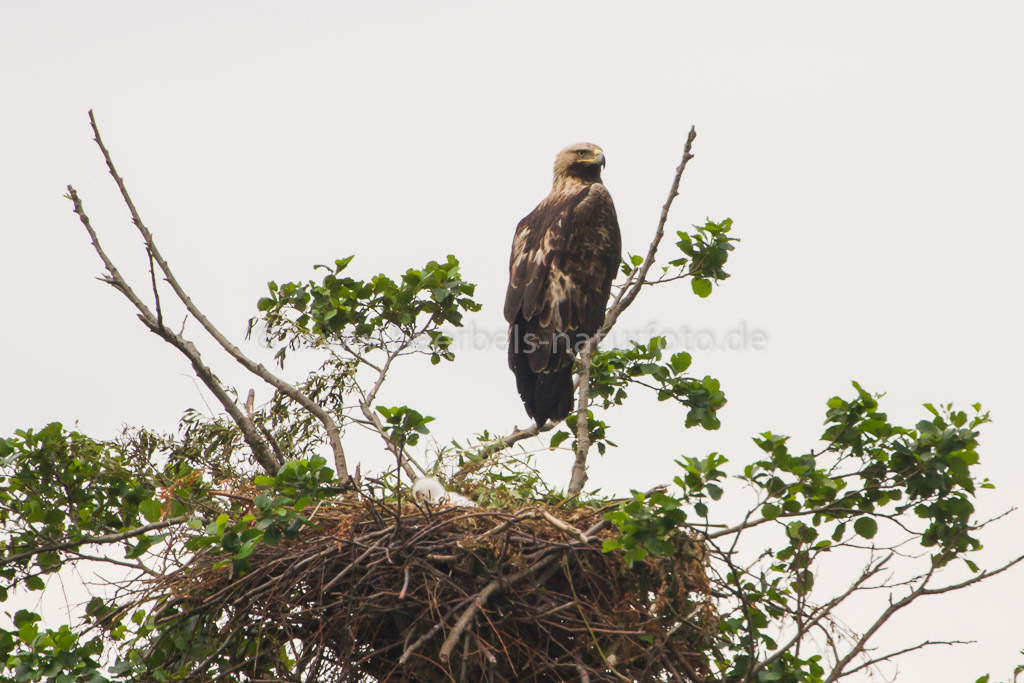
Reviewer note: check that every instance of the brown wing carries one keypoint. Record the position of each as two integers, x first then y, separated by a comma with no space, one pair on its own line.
540,239
564,257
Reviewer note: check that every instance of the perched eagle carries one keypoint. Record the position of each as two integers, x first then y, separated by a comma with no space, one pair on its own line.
564,258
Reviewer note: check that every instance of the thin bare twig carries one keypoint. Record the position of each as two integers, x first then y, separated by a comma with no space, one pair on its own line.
822,612
891,655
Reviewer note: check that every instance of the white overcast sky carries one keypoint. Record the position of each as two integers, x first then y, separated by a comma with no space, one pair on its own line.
869,154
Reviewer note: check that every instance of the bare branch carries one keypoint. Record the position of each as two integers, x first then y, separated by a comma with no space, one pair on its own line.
249,432
156,292
250,411
922,589
878,660
137,565
628,292
258,369
489,448
95,540
823,611
579,467
635,282
366,400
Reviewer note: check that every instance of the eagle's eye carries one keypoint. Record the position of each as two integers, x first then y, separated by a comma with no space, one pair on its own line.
581,152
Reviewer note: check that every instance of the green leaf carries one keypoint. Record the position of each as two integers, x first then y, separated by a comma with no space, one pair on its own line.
28,633
246,550
151,510
866,527
680,362
701,287
558,438
272,535
610,544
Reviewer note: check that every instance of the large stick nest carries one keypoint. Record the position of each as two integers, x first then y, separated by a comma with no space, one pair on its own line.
457,594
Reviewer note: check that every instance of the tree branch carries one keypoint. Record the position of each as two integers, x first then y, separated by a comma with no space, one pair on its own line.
922,589
821,612
877,660
96,540
635,282
258,369
579,467
250,434
627,294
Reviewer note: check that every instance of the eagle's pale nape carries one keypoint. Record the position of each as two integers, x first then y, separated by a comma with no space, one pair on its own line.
564,257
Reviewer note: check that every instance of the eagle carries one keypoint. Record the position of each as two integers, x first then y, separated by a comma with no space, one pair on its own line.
564,257
430,490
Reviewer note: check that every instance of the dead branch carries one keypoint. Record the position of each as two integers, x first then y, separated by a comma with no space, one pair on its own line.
884,658
260,449
922,589
258,369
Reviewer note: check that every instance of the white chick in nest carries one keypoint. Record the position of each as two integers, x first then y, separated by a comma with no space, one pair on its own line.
430,490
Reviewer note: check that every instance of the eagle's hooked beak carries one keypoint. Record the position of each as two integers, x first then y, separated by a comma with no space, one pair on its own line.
599,157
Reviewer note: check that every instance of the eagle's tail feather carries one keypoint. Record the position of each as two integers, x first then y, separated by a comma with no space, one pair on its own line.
547,394
552,397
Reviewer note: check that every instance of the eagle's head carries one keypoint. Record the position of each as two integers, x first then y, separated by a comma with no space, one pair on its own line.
582,161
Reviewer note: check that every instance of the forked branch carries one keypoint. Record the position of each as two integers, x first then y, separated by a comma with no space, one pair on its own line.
627,294
258,369
921,590
635,282
261,451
